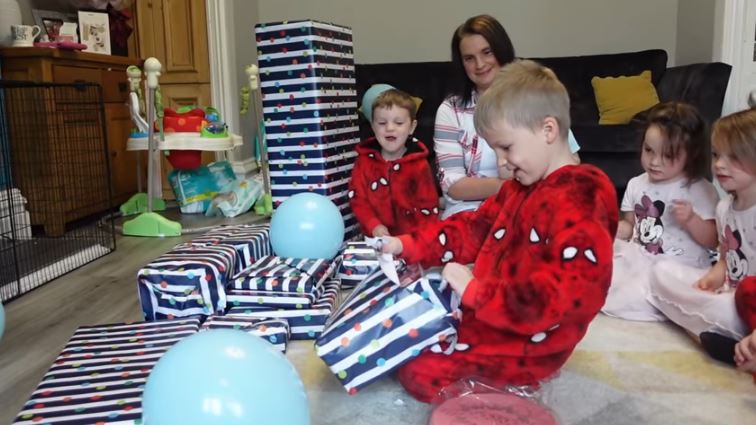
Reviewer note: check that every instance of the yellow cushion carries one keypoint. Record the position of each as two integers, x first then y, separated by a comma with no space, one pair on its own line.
620,98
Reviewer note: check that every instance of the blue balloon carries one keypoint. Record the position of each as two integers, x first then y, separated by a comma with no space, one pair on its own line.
224,377
2,320
307,225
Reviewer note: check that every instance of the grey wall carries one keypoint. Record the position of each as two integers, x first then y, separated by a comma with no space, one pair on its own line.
245,15
695,31
420,30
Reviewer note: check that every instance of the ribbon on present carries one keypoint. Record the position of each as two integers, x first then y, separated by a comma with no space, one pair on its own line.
305,323
274,331
383,325
189,280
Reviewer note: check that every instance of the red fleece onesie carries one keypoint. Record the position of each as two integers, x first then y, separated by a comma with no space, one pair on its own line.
542,259
745,301
399,194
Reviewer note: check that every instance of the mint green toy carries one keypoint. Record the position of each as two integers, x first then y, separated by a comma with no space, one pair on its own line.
149,223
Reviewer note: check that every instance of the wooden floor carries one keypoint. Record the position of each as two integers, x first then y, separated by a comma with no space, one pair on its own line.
40,323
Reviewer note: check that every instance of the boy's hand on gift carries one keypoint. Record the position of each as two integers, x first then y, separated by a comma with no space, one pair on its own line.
391,245
380,230
682,211
458,276
745,353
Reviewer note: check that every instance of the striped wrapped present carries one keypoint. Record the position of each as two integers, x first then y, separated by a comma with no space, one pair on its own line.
188,280
281,283
357,261
251,241
275,331
308,84
305,323
383,325
285,275
100,375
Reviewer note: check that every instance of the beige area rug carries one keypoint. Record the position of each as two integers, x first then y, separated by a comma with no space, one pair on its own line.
621,373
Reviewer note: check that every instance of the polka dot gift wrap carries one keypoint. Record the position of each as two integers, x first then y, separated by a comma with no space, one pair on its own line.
100,375
383,325
309,97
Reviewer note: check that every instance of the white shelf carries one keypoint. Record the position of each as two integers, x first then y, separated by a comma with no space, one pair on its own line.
187,141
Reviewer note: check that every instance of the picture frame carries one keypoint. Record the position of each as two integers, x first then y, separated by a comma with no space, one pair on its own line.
94,31
52,21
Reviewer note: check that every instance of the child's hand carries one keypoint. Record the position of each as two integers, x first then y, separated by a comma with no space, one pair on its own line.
709,282
745,353
682,211
391,245
458,276
380,230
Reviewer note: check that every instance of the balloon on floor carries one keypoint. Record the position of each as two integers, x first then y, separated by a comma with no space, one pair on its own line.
224,377
307,225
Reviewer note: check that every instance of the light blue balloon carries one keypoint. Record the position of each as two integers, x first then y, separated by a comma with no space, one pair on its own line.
307,225
224,377
2,320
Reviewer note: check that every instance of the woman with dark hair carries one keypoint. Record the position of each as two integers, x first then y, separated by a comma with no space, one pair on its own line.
466,164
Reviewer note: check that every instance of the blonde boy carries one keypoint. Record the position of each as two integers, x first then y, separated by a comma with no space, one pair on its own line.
541,248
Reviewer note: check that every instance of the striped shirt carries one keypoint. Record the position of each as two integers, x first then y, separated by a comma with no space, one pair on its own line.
460,151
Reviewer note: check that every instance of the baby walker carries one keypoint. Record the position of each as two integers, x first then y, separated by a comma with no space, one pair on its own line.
183,151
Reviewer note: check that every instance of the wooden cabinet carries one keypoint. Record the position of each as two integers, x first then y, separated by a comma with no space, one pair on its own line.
57,66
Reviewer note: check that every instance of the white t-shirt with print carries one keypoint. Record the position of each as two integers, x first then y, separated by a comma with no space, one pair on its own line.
655,227
737,235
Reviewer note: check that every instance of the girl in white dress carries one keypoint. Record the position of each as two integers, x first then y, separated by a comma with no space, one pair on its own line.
704,302
667,212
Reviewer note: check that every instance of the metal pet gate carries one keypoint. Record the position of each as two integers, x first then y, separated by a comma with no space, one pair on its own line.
54,183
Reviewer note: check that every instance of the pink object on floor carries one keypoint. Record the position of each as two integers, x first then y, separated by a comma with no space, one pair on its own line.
490,409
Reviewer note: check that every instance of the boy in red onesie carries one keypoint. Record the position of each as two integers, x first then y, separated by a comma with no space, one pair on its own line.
541,248
392,190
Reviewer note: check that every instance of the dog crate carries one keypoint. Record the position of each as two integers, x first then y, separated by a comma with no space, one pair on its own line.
54,183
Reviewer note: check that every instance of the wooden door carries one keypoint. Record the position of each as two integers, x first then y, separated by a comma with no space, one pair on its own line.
175,32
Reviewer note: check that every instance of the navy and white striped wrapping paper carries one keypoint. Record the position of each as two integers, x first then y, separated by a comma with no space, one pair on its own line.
307,77
100,375
251,241
383,325
305,323
291,283
189,280
274,331
284,275
357,261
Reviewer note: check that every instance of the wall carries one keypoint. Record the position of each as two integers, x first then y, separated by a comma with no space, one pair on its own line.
245,15
695,31
420,30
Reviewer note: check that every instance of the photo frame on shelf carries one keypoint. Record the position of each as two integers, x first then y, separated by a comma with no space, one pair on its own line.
94,31
56,24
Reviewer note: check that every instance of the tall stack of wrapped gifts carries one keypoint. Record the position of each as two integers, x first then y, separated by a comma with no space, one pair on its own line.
100,375
309,94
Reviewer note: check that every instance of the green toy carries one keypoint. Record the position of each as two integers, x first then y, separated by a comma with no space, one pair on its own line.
150,223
